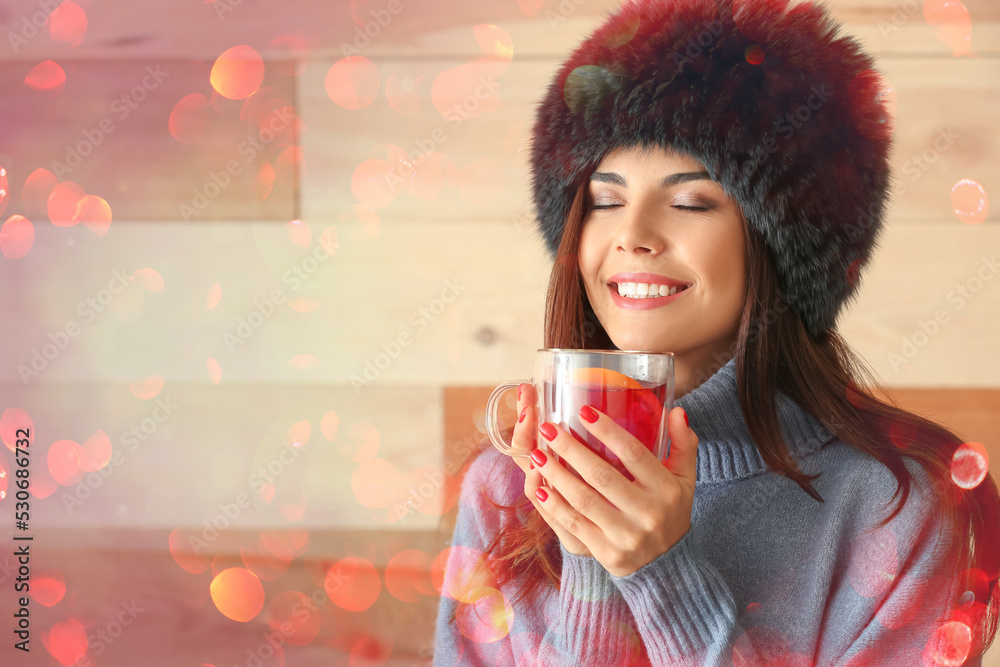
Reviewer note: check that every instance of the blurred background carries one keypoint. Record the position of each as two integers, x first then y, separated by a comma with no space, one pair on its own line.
263,261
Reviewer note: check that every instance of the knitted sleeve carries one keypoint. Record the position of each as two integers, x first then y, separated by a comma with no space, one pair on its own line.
584,623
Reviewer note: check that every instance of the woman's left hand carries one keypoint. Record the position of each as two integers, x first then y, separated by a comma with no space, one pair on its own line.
624,524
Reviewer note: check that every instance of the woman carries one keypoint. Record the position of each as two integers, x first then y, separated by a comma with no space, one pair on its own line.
741,158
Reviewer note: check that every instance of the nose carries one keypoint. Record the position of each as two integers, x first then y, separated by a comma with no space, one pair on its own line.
640,231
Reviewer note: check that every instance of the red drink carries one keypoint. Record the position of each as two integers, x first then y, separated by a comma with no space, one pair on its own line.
638,410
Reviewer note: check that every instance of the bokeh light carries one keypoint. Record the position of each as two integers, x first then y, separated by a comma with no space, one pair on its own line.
65,461
402,92
494,41
4,191
150,279
969,465
874,563
949,645
48,588
46,76
304,304
353,82
468,90
370,185
66,641
329,425
530,7
353,584
185,549
68,23
147,388
754,54
370,651
408,575
4,477
214,370
969,201
294,609
191,119
62,203
238,594
97,452
299,233
36,190
488,619
94,212
304,362
952,24
238,72
263,563
214,296
298,434
17,236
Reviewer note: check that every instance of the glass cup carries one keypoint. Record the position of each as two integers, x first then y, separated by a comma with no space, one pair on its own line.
635,389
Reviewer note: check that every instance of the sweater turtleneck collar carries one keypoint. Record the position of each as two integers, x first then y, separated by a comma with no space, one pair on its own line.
725,449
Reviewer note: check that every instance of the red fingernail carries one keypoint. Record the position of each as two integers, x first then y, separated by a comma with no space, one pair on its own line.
531,465
519,391
588,414
549,431
686,422
538,457
541,494
521,418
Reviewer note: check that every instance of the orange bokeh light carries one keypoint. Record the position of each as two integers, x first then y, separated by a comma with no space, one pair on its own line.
62,203
304,362
329,425
952,24
237,594
65,461
4,192
35,193
190,119
294,610
969,465
94,212
298,434
214,296
48,588
353,82
184,547
4,476
147,388
68,23
150,279
969,201
299,233
46,76
353,584
67,641
408,575
17,235
214,370
97,452
238,72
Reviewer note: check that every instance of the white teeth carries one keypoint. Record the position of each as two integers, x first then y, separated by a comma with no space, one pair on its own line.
646,290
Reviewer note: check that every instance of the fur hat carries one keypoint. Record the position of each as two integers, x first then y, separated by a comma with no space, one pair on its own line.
785,114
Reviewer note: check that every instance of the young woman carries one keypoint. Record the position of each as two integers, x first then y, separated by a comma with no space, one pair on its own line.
710,180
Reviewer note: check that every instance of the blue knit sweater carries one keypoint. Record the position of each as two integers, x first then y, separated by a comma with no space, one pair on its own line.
765,576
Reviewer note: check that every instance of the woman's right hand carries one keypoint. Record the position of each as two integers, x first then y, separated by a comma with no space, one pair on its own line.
525,439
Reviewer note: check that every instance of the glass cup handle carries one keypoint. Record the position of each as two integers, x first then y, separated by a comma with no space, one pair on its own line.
491,419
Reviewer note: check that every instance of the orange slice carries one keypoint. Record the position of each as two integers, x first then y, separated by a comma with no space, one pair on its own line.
604,377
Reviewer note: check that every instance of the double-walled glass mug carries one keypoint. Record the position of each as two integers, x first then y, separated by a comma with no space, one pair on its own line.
635,389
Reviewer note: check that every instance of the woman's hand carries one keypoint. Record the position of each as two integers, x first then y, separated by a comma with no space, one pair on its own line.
623,524
525,439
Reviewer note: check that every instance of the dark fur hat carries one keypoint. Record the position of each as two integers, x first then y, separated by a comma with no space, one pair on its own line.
785,113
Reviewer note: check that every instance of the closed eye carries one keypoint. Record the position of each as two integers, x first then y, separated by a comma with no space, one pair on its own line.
597,207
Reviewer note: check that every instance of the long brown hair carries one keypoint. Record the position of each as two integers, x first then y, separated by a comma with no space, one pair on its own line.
825,377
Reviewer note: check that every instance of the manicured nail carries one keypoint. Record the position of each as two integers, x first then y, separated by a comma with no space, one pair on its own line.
686,422
587,414
531,465
549,431
541,494
538,457
521,418
519,391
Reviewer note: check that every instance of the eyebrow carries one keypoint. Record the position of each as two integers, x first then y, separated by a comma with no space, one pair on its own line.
665,182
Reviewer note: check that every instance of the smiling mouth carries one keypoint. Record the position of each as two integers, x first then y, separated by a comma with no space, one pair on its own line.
640,291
